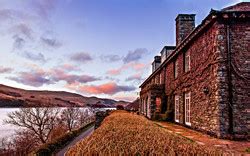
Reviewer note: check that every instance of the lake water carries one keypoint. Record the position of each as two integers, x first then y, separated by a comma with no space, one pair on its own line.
7,130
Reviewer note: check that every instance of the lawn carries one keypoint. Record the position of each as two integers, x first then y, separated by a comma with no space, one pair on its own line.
124,133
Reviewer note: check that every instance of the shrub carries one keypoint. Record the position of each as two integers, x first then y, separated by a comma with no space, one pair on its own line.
119,107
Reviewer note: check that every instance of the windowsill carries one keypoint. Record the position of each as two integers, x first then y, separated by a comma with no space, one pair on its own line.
177,121
188,123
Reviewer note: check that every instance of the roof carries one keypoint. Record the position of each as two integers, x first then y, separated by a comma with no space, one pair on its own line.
240,7
243,6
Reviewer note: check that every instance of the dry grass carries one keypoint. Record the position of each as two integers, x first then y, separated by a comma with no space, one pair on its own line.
124,133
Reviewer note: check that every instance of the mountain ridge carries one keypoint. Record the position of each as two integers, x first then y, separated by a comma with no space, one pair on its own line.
18,97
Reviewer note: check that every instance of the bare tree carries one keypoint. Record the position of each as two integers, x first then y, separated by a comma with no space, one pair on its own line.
6,146
22,144
40,121
70,116
83,117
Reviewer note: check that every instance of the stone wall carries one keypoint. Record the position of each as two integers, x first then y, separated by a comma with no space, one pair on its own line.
202,75
234,84
240,49
218,79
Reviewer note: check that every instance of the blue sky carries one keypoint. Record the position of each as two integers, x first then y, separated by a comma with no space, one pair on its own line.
98,48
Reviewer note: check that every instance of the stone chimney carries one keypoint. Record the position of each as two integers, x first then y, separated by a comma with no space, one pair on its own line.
185,23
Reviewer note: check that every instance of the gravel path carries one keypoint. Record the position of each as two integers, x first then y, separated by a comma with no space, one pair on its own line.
86,133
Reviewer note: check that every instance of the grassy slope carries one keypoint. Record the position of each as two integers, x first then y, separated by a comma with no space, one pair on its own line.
126,133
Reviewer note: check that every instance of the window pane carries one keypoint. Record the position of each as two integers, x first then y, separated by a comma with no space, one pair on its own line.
187,62
187,108
176,108
176,69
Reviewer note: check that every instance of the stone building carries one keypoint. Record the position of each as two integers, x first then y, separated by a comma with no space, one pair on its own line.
203,81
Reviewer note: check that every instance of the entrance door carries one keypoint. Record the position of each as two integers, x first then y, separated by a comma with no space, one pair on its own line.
187,108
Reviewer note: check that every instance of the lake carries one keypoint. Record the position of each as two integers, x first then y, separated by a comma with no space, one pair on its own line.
7,130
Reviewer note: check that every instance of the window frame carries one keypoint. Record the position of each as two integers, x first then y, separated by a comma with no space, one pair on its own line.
187,58
177,109
176,66
187,103
161,78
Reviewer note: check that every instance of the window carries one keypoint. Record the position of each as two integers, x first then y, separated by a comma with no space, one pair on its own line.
187,108
177,108
158,104
161,78
186,61
158,79
176,69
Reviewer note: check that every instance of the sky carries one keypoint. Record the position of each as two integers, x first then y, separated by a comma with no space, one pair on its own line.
100,48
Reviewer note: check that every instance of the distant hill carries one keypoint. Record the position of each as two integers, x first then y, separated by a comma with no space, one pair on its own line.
15,97
133,106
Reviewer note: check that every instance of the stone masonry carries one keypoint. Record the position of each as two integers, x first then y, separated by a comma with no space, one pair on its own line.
217,78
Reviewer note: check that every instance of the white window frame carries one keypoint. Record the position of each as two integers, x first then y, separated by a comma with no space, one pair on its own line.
176,68
187,62
177,108
161,78
187,104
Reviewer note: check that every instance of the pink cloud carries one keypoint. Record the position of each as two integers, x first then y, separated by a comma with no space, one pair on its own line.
136,77
138,66
132,65
38,77
114,72
129,98
32,78
5,69
68,67
61,75
107,88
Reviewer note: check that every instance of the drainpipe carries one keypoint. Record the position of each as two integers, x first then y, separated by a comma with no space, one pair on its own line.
230,86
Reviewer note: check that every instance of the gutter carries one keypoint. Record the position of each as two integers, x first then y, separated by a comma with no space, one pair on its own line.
230,85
